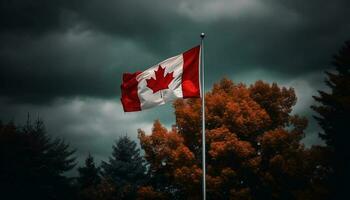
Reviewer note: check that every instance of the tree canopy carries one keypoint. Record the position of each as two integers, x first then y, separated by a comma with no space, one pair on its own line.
33,164
254,148
125,171
332,111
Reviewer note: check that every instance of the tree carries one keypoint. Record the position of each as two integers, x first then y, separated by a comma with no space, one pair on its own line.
126,169
33,164
89,174
333,110
89,179
253,146
167,155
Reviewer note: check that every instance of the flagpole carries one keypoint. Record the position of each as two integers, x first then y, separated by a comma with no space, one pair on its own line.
203,118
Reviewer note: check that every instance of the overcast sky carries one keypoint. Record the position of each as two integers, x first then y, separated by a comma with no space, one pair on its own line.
63,60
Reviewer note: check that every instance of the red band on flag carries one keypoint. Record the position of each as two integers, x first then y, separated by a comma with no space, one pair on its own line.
130,98
190,76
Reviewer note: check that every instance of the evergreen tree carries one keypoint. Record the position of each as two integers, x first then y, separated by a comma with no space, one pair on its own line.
88,179
125,169
333,116
89,174
33,164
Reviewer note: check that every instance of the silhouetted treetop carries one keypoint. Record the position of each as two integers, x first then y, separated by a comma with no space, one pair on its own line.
33,164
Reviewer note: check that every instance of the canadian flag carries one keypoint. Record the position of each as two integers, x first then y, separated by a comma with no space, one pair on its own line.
175,77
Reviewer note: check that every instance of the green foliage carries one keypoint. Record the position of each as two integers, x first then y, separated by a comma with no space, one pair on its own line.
125,169
335,106
89,174
88,180
33,164
333,116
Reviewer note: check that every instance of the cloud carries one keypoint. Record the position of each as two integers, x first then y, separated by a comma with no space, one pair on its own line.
211,11
34,17
88,124
64,60
74,48
73,63
91,124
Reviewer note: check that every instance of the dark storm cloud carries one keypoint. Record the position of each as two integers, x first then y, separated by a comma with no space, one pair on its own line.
63,60
276,34
31,17
76,63
69,48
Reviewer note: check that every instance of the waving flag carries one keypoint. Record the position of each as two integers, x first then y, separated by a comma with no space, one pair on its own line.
175,77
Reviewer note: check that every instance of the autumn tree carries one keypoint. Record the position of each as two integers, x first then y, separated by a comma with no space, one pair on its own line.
169,157
333,116
253,146
125,171
33,164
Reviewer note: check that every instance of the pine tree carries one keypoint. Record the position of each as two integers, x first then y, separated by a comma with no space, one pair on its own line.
89,179
89,174
125,169
33,164
333,116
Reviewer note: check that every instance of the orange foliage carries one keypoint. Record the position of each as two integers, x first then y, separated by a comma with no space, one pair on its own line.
224,143
253,145
235,109
278,102
165,149
148,193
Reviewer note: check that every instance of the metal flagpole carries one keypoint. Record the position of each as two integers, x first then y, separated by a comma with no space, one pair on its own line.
203,117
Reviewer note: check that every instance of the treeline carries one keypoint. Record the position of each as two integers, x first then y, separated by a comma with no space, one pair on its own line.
32,164
254,151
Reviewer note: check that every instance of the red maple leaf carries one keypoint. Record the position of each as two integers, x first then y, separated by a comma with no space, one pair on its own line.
161,82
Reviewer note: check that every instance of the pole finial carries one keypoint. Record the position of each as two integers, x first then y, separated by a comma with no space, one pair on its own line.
202,35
